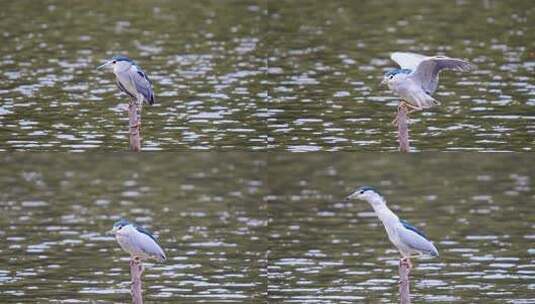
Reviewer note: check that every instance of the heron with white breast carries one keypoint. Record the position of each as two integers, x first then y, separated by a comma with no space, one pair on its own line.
408,239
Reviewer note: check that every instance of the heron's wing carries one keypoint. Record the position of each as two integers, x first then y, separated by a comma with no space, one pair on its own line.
147,242
417,241
407,60
411,227
122,88
427,71
145,231
142,83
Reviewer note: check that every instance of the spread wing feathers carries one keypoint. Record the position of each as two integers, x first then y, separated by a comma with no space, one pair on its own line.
427,71
416,240
142,83
407,60
146,241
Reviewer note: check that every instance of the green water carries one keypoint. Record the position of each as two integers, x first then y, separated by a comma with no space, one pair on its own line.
239,227
263,75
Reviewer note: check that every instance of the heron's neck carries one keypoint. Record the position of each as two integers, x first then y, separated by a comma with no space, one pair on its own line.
383,212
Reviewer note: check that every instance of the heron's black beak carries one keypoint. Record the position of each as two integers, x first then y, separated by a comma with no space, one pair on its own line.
346,199
104,65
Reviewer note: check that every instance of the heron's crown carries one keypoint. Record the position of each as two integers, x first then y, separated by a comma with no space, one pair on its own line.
122,58
121,223
397,71
368,188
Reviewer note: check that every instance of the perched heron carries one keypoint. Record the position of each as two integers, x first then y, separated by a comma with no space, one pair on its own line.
137,241
131,79
407,238
417,79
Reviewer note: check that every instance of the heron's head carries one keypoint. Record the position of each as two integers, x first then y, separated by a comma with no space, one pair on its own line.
394,76
117,63
366,193
118,226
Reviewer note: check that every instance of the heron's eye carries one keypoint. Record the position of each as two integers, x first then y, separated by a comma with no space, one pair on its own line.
391,76
114,62
361,191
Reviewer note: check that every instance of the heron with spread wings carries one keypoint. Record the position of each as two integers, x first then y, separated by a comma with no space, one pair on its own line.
417,79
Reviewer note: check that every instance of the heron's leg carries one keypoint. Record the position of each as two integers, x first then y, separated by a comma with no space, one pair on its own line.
402,105
140,102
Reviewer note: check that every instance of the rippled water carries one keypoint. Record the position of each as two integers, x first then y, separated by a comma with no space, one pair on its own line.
477,209
241,228
263,75
328,57
205,59
207,210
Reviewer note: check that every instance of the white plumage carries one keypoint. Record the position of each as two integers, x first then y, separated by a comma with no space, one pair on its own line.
407,239
138,242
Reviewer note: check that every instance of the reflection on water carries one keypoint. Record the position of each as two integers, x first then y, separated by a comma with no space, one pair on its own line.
206,209
477,209
239,227
258,75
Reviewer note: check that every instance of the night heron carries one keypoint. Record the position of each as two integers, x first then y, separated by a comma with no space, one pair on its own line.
407,238
137,241
131,79
417,79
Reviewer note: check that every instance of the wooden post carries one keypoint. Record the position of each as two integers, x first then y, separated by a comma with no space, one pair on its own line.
402,121
136,269
134,120
404,283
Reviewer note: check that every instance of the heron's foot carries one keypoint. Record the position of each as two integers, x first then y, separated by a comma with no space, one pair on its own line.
136,261
406,261
403,105
411,108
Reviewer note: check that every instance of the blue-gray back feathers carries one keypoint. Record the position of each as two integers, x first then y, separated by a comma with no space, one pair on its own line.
412,228
398,71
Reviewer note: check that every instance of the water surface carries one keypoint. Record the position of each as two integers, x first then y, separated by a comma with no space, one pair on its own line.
206,209
479,211
263,75
326,60
248,228
205,59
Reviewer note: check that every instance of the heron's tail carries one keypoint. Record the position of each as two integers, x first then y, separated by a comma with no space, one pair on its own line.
152,99
434,251
430,102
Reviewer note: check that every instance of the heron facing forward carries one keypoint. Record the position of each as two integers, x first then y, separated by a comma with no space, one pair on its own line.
131,79
407,238
139,242
417,79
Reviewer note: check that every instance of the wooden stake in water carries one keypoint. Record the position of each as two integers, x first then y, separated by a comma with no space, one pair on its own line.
404,283
134,120
136,269
402,121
